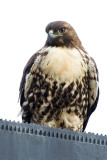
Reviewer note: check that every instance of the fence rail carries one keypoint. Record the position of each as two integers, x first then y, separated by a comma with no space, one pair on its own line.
22,141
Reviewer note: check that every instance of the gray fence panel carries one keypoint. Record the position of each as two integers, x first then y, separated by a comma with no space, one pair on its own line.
19,141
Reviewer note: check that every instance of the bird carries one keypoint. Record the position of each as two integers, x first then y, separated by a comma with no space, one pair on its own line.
60,82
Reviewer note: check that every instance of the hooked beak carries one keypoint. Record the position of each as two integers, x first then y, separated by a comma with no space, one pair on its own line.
51,34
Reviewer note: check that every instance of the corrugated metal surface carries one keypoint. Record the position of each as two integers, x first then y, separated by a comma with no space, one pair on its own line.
19,141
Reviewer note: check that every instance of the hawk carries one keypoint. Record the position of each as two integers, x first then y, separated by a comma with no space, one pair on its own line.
59,86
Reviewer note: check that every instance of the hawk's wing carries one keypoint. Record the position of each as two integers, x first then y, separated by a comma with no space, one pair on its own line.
93,89
25,72
42,52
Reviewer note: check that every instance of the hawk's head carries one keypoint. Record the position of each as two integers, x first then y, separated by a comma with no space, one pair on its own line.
62,34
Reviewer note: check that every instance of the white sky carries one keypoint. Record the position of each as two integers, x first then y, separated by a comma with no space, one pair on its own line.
22,33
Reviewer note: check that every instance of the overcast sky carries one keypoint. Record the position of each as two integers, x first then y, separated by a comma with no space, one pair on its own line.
22,33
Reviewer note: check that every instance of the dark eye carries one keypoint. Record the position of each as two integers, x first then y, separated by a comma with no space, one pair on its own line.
62,30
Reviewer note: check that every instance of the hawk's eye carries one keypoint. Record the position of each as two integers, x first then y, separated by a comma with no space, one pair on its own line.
62,30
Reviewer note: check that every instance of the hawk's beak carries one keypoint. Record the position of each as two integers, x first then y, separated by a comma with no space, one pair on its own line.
51,34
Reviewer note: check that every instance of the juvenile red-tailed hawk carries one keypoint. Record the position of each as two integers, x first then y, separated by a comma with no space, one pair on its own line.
59,86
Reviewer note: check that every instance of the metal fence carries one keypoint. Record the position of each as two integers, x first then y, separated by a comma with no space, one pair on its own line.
22,141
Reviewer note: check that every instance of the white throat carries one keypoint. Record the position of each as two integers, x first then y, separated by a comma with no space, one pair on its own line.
64,64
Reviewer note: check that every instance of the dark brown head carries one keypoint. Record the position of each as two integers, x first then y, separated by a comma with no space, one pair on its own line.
62,34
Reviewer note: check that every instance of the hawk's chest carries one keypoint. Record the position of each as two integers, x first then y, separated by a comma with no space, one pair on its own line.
64,64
